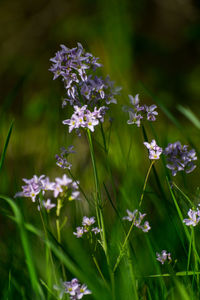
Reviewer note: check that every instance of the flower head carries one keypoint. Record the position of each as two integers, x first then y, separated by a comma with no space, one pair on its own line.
138,112
179,158
154,150
194,217
163,256
137,218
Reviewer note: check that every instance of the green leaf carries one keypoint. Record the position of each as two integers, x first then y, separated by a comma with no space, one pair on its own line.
6,146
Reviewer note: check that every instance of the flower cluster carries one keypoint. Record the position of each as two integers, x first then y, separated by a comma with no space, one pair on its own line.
179,158
163,256
138,112
194,217
154,150
84,118
87,222
61,160
137,218
61,187
76,68
73,288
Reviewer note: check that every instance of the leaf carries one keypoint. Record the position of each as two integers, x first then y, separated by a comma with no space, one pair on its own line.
6,146
189,115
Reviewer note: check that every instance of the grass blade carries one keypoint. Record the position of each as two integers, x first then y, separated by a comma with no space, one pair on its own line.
6,146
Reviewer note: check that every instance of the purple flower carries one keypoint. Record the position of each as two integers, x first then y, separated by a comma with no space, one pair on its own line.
154,150
84,118
75,289
147,112
194,217
151,113
79,232
179,158
137,218
86,228
163,256
88,221
48,205
62,159
32,188
76,68
134,118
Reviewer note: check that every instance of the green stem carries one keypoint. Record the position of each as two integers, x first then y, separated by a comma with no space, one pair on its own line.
133,222
99,206
189,251
58,208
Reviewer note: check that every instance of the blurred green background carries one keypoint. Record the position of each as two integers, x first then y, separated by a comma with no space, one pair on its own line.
147,47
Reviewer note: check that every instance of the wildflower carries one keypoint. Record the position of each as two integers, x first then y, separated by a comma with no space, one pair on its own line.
179,158
194,217
95,230
42,184
144,111
137,218
79,232
75,289
154,150
84,118
62,159
32,188
163,256
48,205
76,68
87,227
88,221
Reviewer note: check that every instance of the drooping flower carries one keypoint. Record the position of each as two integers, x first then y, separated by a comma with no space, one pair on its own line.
154,150
163,256
179,158
137,218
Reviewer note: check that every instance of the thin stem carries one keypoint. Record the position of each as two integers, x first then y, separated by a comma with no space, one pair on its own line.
189,251
145,182
133,222
98,205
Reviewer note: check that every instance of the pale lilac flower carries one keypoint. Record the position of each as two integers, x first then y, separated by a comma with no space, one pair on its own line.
62,159
134,118
75,289
87,227
96,230
48,205
163,256
194,217
83,291
144,111
76,68
79,232
32,188
145,227
88,221
179,158
136,217
151,113
154,150
84,118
